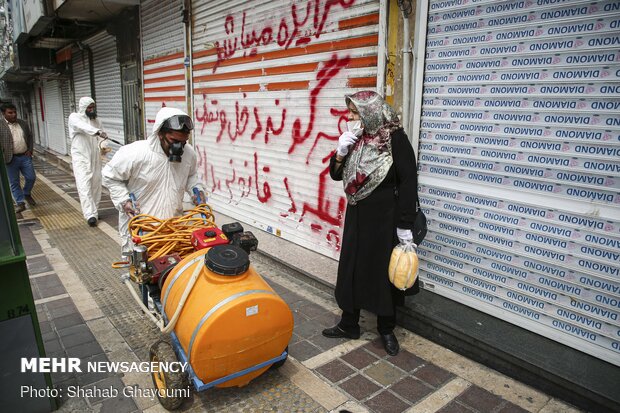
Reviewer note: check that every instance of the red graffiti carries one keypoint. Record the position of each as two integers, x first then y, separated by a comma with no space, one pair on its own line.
292,28
322,210
266,189
323,76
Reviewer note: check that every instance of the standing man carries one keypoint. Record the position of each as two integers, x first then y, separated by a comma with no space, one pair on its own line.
85,130
157,171
17,149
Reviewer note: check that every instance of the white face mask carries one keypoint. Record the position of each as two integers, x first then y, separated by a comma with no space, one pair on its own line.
355,127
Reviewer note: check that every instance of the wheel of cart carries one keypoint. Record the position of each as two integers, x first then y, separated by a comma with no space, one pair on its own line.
169,384
279,363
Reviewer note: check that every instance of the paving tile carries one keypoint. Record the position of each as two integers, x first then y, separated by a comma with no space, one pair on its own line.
52,346
299,317
89,377
480,399
412,389
120,404
406,361
335,370
433,375
68,321
85,350
312,310
510,408
359,387
454,407
308,328
45,326
63,302
52,291
77,339
38,265
303,350
376,347
384,373
328,319
47,281
326,343
386,402
63,311
108,383
359,358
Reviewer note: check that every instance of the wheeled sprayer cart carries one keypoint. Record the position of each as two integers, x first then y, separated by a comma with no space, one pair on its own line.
224,320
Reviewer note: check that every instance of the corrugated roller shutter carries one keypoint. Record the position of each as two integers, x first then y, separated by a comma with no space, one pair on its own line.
269,85
65,91
162,48
520,165
54,121
108,89
81,75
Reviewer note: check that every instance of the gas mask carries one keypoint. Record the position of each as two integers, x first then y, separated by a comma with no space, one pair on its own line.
91,114
355,127
175,150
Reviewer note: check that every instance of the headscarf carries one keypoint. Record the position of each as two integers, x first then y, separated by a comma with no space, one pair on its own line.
83,104
370,158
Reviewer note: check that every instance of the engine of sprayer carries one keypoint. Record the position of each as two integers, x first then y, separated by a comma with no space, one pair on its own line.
146,271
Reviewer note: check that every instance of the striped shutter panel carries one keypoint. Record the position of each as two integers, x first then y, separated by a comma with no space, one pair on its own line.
54,121
162,50
520,165
108,89
81,76
65,92
269,83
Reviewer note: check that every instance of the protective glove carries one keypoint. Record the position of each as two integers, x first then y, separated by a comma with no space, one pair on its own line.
103,135
344,143
130,209
404,235
200,199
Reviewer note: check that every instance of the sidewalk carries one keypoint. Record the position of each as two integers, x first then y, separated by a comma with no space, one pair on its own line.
85,312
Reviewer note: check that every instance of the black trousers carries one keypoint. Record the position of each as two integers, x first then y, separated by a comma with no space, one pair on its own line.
350,322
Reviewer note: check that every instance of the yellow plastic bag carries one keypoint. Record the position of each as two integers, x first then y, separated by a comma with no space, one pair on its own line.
403,268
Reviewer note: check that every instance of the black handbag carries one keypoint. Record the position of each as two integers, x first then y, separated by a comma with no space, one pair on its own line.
419,226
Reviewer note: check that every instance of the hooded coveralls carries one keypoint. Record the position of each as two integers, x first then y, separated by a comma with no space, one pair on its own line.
85,156
142,168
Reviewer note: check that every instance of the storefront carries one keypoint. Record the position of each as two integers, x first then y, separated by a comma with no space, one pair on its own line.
520,166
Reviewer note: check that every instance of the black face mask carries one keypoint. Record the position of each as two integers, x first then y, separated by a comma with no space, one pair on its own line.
91,114
175,150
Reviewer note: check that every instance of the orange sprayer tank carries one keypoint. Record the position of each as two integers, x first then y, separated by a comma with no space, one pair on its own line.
229,322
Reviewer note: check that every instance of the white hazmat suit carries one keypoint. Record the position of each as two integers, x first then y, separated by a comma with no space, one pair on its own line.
142,168
86,158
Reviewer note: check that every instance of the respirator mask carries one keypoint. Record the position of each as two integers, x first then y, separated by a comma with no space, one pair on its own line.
175,150
91,114
355,127
182,123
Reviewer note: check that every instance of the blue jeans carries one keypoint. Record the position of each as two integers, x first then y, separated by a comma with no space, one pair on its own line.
23,164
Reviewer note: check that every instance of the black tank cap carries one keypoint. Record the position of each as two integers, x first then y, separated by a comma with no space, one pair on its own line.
227,260
210,233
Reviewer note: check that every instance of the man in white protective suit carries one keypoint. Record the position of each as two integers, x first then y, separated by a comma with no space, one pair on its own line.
157,171
85,130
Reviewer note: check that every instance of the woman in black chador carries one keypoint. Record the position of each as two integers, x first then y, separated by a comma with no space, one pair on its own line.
376,163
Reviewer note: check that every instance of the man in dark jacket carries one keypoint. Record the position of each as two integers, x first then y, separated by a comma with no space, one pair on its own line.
17,149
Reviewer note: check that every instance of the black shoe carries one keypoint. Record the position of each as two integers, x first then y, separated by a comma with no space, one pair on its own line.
390,344
21,207
337,332
92,221
30,200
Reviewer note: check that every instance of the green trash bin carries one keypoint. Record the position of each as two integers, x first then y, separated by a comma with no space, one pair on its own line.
20,336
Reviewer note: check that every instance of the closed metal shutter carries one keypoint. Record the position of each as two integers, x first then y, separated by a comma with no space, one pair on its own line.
54,122
520,165
162,48
108,89
269,83
81,76
65,92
